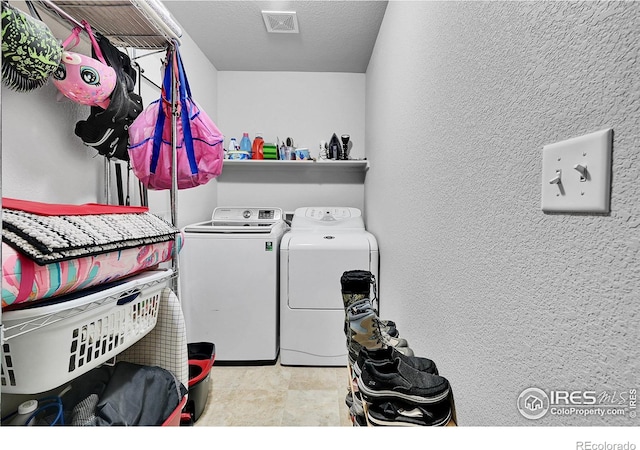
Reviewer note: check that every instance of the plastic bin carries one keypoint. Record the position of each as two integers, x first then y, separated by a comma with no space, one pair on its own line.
174,419
65,340
201,358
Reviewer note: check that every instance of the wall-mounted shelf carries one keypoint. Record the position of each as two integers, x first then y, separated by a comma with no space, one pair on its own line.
356,165
314,172
316,168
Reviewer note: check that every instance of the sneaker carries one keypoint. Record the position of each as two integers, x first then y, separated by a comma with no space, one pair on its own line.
396,380
354,403
388,354
354,350
356,286
389,327
356,410
365,329
364,323
386,326
397,413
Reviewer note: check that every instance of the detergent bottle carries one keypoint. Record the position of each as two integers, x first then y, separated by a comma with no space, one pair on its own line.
257,150
25,411
245,145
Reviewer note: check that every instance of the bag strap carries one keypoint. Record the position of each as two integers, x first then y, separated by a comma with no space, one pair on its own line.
167,82
33,11
165,96
157,139
119,184
74,36
186,114
174,70
184,82
94,43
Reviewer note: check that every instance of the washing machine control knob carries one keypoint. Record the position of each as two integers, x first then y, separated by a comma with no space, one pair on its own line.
246,214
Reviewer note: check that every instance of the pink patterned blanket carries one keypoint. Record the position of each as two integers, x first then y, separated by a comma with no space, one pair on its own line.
53,249
24,281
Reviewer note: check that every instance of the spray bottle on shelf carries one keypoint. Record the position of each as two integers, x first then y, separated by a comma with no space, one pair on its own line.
233,147
257,149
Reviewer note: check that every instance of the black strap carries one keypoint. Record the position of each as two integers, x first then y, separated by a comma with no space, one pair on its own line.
119,184
32,10
127,201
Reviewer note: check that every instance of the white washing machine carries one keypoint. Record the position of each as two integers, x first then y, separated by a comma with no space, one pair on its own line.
229,283
322,244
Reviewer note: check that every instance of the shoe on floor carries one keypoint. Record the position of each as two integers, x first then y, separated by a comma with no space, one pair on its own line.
354,403
355,287
355,348
386,326
364,330
388,354
397,380
397,413
365,327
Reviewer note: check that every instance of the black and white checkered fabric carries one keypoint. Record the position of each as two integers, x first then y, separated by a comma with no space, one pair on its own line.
166,345
50,239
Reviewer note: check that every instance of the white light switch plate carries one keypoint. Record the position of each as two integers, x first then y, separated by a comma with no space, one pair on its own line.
574,193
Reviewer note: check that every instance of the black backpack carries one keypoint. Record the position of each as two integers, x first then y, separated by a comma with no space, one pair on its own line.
107,130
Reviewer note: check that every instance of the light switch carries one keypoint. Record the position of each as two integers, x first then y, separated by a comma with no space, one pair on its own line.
576,174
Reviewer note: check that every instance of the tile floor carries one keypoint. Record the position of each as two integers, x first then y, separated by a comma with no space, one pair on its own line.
276,395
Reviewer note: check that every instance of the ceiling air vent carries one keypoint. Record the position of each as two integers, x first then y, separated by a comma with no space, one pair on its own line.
280,21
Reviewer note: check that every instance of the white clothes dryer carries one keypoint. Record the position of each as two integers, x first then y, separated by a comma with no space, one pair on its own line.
229,283
321,245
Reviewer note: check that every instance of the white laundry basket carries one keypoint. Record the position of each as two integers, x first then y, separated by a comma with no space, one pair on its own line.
45,347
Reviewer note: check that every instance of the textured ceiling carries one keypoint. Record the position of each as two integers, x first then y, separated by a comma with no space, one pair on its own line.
335,35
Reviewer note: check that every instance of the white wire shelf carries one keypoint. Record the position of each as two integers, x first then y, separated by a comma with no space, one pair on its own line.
126,23
21,321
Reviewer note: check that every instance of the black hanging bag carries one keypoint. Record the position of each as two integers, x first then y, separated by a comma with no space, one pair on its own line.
107,130
107,133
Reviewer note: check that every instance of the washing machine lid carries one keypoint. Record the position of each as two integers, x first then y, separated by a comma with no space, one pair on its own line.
327,217
240,220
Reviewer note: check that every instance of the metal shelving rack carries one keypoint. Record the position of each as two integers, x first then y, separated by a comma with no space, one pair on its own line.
126,23
136,24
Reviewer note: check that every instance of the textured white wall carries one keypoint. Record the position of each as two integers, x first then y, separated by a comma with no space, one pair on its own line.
42,159
308,107
502,296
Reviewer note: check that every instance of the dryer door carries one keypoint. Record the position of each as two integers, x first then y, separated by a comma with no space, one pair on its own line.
316,263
